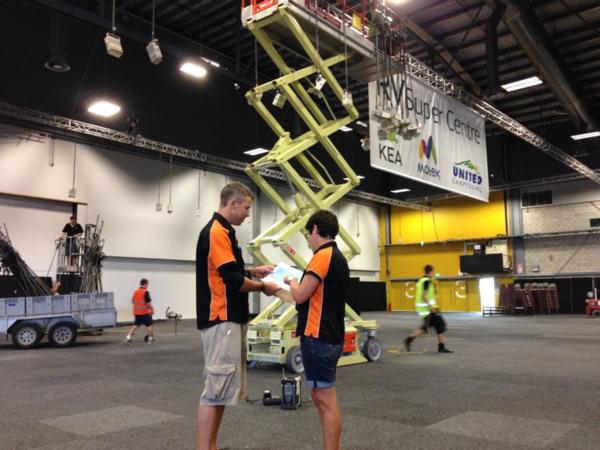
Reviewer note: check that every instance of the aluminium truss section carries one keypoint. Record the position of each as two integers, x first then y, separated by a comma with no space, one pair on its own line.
426,74
35,119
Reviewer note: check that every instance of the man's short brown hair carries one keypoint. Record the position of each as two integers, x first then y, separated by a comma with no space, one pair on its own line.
326,222
238,190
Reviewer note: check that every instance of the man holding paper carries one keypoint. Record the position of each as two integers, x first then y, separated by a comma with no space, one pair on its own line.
222,287
320,296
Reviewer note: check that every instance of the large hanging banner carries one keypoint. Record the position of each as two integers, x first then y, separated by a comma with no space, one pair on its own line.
450,150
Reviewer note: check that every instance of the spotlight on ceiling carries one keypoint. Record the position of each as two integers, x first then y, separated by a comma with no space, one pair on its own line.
113,45
522,84
400,191
154,52
104,108
589,135
57,62
58,43
193,69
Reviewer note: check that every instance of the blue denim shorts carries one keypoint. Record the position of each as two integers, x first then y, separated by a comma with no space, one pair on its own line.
320,361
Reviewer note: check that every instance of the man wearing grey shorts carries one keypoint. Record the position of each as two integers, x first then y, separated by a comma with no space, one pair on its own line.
222,286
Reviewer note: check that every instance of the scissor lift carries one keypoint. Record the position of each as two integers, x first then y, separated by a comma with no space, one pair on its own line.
272,337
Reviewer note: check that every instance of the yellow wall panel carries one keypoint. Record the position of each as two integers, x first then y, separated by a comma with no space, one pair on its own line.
457,218
409,261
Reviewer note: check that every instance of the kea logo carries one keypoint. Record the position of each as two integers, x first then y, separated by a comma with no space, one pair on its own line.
428,150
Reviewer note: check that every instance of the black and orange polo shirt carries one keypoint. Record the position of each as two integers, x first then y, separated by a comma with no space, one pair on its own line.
322,317
219,275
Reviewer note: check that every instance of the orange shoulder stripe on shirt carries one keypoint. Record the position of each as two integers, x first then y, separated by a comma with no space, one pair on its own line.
220,252
319,265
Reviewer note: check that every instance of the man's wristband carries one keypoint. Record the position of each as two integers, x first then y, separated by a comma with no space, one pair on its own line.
262,286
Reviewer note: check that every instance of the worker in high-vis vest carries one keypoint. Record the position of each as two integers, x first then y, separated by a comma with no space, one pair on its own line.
427,308
142,310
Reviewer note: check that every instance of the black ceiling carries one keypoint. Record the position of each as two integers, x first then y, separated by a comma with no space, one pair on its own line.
213,116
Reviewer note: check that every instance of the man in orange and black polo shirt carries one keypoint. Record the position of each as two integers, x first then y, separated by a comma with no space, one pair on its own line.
222,286
320,297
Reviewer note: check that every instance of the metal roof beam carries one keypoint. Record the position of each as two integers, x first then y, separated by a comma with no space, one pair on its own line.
531,35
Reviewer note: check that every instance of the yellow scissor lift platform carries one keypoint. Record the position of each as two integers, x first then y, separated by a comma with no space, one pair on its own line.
272,335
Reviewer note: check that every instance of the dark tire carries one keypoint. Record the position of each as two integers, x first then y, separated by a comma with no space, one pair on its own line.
596,313
293,360
27,335
63,334
372,349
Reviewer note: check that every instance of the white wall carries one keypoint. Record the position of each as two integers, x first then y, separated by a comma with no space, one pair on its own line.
140,242
33,226
571,192
573,205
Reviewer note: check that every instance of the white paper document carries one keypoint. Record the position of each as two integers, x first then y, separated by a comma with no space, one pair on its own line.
283,270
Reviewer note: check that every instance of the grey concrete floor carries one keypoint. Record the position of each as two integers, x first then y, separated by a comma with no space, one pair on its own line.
513,383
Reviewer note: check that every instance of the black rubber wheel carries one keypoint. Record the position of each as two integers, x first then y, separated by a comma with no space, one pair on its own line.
62,334
293,360
27,335
596,313
372,349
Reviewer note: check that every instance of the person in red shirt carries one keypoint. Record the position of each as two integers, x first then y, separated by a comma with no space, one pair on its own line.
142,310
321,296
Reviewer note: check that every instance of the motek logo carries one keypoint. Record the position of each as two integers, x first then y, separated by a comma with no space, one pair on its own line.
428,152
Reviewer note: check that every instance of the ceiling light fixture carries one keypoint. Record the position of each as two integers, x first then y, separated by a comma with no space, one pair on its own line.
399,191
104,108
211,62
111,40
361,123
588,135
58,52
256,151
193,69
346,129
360,177
522,84
152,48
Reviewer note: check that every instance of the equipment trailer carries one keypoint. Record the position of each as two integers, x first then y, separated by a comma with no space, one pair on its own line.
28,319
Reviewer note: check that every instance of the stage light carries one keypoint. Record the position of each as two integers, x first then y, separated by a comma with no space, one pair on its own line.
154,52
113,45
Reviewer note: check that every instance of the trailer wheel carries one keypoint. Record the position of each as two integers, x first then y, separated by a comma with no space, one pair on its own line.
62,334
293,360
372,349
27,335
596,313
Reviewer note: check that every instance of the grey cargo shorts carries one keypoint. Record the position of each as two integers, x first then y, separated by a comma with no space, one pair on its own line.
224,347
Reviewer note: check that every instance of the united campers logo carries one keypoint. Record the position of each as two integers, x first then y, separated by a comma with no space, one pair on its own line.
467,174
427,159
